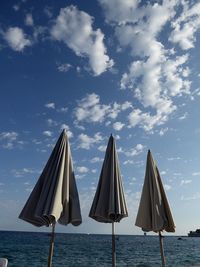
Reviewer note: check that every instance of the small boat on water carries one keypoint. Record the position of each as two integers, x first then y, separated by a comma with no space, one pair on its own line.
194,233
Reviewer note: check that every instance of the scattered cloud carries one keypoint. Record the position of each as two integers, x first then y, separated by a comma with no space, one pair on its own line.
47,133
65,67
163,131
138,149
67,128
193,197
118,125
24,172
82,169
63,109
167,187
184,116
74,28
86,142
185,182
16,7
90,109
186,25
102,148
96,159
51,122
158,75
8,139
173,158
50,105
196,174
48,11
29,20
16,39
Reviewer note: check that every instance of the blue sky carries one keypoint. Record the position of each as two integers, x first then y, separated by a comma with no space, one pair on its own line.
130,68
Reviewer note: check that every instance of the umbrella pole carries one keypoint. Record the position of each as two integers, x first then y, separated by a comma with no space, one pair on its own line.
113,246
162,250
51,245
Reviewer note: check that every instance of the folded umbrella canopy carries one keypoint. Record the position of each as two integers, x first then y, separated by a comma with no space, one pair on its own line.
154,212
55,196
109,204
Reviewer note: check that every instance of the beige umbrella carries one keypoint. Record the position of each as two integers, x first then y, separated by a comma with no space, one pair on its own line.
109,204
55,196
154,212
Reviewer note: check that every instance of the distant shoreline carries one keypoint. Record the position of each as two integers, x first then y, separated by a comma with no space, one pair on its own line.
94,234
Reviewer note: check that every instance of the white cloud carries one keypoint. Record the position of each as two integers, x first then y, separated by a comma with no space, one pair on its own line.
184,116
167,187
86,142
24,172
48,11
74,28
102,148
9,136
16,39
82,169
8,139
119,11
50,105
65,67
186,25
69,132
126,105
96,159
173,158
193,197
163,131
118,125
29,20
185,182
196,173
90,109
158,75
51,122
138,149
47,133
128,162
62,109
16,7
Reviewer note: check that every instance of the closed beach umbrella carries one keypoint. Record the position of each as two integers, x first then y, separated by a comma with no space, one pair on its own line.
109,204
55,196
154,212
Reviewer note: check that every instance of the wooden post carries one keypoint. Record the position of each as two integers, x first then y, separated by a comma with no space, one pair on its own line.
51,247
113,246
162,250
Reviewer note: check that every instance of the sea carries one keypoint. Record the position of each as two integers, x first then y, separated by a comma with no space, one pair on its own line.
27,249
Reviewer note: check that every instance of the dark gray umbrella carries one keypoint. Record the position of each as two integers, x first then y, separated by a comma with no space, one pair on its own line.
109,204
154,212
55,196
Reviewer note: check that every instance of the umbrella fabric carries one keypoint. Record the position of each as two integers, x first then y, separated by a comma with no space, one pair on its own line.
154,212
55,196
109,202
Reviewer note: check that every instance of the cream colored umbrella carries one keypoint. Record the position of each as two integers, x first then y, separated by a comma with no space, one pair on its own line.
109,204
154,212
55,196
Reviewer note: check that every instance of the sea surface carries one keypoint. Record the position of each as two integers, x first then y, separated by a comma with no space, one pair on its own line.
25,249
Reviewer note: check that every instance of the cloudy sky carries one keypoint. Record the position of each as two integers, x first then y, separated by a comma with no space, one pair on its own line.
130,68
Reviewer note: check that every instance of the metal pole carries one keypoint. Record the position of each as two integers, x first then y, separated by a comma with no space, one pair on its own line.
162,250
51,245
113,246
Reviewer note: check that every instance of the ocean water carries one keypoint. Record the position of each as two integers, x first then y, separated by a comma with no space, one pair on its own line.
24,249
